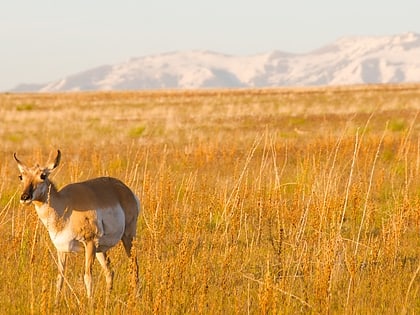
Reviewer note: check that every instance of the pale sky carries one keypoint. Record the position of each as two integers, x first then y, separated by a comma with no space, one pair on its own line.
45,40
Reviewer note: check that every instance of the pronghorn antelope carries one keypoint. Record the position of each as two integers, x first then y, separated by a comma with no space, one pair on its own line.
95,214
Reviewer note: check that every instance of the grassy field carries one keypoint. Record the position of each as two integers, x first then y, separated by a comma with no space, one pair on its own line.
277,201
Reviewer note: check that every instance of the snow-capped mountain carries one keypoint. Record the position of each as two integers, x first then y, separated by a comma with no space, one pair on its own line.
349,60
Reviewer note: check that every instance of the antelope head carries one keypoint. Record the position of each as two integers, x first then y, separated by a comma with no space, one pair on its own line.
35,180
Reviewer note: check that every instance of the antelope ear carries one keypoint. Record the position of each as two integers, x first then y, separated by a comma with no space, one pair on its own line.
56,161
21,166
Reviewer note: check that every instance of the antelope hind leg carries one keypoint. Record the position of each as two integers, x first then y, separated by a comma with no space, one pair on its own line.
105,264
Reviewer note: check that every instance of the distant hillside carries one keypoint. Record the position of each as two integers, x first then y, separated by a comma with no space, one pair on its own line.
349,60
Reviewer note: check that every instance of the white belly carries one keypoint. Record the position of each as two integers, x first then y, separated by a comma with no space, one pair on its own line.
109,225
65,240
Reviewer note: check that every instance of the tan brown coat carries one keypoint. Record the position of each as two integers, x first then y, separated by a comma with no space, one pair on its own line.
95,215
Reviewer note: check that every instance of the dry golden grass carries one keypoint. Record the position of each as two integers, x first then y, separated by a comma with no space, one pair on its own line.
254,201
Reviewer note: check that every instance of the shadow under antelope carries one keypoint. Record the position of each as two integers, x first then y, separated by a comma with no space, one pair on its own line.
95,215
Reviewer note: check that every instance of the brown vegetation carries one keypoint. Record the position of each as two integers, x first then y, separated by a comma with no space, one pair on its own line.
254,201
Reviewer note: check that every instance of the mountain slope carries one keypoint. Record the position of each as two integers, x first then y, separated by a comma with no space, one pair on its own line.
350,60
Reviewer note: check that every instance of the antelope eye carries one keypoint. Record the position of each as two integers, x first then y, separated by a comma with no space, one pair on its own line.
43,176
20,177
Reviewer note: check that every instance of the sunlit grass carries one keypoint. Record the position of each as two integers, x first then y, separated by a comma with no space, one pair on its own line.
254,201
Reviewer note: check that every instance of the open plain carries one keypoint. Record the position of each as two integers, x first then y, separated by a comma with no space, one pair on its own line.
262,201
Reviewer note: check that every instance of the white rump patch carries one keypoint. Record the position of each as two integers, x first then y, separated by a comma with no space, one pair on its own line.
111,222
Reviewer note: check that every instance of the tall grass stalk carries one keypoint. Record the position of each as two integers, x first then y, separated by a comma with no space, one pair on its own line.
371,178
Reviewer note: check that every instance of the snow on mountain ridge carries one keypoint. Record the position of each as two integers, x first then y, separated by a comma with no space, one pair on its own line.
349,60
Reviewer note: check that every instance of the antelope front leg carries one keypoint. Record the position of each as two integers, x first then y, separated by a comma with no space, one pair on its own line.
62,258
90,251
